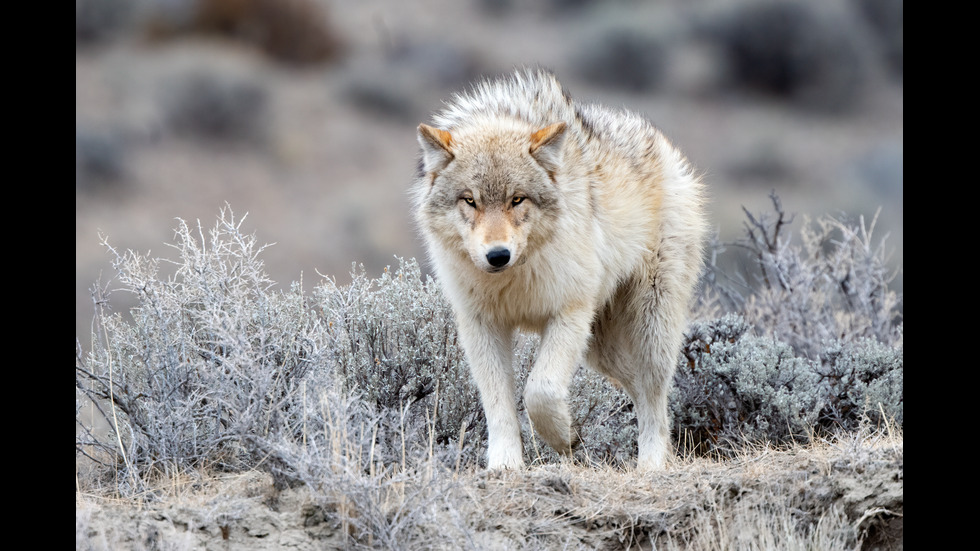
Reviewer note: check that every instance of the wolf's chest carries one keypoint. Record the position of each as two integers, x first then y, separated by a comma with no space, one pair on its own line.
526,297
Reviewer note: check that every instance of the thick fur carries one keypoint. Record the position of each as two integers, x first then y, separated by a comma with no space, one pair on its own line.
578,222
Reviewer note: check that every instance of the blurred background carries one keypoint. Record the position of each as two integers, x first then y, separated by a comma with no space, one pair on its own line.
302,113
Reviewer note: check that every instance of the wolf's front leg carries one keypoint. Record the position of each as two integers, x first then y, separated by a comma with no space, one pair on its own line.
563,342
489,350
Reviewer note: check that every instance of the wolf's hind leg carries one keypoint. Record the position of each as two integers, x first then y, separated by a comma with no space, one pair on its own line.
636,341
650,399
660,314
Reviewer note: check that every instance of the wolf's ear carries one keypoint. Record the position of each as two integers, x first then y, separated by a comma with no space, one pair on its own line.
546,145
436,147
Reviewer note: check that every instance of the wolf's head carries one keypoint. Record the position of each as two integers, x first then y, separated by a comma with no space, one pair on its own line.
488,188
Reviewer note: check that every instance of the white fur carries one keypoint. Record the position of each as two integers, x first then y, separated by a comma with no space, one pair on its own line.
604,222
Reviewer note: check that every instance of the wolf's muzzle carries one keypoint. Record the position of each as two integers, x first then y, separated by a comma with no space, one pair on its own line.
498,257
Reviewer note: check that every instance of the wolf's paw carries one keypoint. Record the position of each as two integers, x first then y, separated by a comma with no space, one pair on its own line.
651,462
554,430
505,459
549,416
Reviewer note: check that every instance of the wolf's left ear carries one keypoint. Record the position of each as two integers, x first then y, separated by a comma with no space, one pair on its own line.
546,145
436,148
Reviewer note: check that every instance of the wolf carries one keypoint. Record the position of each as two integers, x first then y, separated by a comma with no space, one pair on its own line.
578,222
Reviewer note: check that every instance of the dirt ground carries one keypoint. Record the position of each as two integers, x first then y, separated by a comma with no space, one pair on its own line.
756,502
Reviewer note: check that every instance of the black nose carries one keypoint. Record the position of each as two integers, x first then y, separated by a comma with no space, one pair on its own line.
498,257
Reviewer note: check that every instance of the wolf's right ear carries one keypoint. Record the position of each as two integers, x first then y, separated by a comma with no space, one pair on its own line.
437,148
546,146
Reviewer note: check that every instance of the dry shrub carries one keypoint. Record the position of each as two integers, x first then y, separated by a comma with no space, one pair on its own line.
217,367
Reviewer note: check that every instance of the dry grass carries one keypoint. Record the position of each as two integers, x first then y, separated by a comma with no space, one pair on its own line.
356,403
839,493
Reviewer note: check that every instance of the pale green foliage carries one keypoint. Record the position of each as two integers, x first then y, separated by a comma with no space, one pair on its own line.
738,386
833,285
208,360
393,342
216,367
733,385
604,419
864,380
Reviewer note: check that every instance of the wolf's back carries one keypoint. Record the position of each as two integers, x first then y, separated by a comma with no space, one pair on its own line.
531,95
536,97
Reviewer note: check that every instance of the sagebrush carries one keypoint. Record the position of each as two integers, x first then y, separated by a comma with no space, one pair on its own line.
351,389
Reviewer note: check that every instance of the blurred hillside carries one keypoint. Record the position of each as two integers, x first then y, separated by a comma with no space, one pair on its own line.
302,113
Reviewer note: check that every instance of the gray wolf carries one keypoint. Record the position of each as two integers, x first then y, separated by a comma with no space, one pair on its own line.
578,222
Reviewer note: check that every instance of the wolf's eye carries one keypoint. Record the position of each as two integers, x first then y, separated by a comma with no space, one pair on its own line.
469,201
517,201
